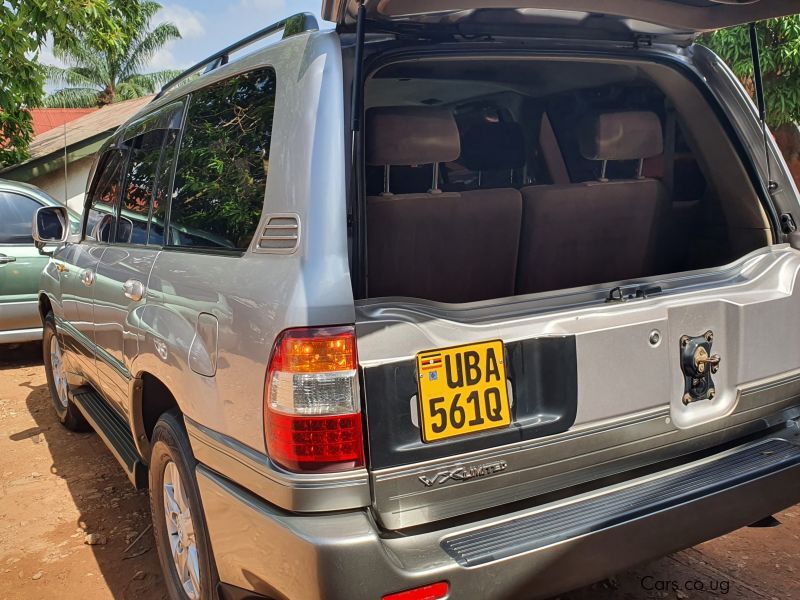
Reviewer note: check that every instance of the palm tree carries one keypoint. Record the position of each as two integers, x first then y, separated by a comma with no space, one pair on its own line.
99,75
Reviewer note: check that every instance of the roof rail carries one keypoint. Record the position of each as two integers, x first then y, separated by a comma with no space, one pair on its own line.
299,23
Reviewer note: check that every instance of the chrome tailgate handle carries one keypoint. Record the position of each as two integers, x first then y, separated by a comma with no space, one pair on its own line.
133,289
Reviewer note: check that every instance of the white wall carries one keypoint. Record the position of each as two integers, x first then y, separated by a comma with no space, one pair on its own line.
77,174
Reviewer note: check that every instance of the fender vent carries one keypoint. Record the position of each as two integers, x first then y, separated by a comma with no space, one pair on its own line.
281,234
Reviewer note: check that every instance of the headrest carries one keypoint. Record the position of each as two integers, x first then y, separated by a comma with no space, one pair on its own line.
411,135
621,136
490,146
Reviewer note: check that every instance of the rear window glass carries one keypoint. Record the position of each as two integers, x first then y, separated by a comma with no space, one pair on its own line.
221,172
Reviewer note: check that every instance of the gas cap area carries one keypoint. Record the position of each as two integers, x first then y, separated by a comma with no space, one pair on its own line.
203,351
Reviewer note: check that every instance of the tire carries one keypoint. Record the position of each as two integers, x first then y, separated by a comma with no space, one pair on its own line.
68,414
171,457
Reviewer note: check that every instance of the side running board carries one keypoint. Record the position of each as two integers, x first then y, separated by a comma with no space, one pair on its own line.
115,431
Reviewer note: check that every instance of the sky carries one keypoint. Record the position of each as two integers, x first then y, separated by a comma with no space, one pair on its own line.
209,25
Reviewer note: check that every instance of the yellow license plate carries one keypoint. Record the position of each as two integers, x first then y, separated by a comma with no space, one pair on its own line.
462,390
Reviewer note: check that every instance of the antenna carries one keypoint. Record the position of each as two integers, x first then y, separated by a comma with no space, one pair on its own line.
66,192
762,111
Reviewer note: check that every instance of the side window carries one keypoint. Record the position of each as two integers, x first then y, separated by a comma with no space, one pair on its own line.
16,218
104,196
164,175
221,173
152,154
145,151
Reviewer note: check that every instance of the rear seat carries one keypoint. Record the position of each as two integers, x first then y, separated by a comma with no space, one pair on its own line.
444,246
600,231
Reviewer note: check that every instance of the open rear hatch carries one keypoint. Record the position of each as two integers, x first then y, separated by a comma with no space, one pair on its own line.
473,405
672,18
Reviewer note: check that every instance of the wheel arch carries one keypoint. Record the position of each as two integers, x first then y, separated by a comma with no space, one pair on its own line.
45,305
150,399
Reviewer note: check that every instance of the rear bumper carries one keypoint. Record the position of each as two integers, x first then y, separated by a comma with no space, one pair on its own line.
534,553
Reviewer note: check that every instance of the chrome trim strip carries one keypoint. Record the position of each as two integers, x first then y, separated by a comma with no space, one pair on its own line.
292,491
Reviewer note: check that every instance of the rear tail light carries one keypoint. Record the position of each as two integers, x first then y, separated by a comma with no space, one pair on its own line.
312,414
434,591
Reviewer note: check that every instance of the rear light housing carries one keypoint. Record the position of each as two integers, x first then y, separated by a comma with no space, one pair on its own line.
433,591
312,411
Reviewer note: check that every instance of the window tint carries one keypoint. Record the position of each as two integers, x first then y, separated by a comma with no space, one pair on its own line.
159,215
104,196
16,218
145,151
221,174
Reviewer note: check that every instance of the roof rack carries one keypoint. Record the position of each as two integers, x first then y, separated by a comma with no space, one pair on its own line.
299,23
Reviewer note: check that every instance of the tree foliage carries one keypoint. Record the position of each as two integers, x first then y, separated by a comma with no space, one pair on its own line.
779,41
24,27
99,74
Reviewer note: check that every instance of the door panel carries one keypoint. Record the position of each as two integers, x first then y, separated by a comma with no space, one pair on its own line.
122,276
20,263
75,262
116,313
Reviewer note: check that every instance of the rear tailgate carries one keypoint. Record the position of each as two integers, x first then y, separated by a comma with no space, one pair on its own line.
595,389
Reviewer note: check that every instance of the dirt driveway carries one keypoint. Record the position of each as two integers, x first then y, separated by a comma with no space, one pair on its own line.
60,490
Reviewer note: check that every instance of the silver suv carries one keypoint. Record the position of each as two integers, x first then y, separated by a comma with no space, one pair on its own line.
447,302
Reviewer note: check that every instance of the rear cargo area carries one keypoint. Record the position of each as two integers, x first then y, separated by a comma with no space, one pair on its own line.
552,246
491,178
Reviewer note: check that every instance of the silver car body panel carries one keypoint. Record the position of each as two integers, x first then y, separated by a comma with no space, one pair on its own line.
264,293
630,411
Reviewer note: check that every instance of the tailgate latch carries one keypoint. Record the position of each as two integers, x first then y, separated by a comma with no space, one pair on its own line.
698,365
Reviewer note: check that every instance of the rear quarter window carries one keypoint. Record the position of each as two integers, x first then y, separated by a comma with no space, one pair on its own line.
221,171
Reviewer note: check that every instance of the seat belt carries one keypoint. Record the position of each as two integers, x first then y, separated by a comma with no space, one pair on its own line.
669,149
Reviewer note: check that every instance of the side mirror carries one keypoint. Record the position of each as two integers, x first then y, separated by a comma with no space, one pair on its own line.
50,226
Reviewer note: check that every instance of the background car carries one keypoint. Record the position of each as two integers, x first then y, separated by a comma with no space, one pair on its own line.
20,262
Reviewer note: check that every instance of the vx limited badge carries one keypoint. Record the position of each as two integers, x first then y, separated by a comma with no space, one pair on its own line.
464,473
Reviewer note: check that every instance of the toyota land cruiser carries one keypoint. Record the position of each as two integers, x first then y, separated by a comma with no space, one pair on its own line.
459,299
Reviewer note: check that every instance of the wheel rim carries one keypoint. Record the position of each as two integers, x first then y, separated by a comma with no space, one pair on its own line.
59,372
180,529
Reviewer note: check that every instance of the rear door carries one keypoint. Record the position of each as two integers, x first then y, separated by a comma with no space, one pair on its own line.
123,272
643,16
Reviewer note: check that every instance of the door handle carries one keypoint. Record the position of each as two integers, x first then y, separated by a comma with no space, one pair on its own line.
6,259
133,289
87,277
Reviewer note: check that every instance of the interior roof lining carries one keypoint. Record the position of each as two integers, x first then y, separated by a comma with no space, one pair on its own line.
678,15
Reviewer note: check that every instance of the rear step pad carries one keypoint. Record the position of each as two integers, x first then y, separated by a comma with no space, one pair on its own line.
599,512
115,431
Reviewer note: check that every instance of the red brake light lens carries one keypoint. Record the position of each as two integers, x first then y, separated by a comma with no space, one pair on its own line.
311,401
434,591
